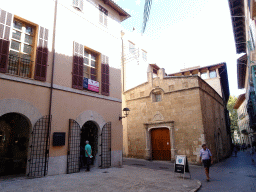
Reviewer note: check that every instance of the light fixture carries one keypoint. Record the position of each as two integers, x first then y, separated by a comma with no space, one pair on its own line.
126,113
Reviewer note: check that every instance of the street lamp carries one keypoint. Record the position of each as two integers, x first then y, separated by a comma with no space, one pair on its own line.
126,113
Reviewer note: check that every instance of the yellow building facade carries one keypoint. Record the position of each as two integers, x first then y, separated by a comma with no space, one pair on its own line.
60,76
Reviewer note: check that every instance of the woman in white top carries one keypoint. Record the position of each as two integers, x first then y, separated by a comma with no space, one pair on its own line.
206,157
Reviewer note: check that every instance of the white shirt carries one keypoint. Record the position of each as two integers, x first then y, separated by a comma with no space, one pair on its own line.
205,154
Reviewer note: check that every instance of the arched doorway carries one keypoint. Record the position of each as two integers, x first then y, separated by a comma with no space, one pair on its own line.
14,140
90,132
160,142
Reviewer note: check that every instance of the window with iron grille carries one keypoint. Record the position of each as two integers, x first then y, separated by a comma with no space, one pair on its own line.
21,49
90,65
20,54
103,15
78,4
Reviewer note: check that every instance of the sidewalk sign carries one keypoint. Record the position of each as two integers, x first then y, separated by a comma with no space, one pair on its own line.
181,165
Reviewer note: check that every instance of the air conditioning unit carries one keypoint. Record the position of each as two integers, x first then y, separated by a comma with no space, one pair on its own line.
78,4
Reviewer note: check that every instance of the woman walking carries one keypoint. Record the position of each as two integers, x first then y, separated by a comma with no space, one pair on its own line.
206,158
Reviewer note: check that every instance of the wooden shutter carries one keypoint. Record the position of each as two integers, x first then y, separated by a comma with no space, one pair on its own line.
105,75
41,55
77,74
5,26
103,15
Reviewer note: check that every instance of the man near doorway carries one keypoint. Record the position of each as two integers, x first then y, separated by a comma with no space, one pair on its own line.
88,155
206,158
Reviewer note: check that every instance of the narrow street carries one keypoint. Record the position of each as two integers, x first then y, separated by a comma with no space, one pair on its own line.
233,174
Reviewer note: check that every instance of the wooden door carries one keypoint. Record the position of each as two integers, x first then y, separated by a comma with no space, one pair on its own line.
160,140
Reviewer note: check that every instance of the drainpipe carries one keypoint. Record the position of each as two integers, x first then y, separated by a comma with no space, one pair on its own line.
51,88
122,60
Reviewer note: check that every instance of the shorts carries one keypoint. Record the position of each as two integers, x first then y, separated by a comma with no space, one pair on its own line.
207,163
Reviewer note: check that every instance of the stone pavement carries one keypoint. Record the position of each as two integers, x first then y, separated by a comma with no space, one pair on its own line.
126,178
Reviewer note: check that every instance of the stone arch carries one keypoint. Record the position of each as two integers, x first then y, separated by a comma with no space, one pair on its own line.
156,89
22,107
99,121
91,116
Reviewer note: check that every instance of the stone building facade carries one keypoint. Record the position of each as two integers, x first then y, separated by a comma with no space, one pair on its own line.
174,116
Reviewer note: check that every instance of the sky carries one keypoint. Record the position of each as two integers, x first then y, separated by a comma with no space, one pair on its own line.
186,33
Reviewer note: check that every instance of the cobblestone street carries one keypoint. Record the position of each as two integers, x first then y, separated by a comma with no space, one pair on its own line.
233,174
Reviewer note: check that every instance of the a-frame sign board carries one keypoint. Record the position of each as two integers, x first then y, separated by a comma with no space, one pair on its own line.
181,165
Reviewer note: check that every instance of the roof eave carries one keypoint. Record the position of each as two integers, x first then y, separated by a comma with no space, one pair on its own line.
117,8
238,22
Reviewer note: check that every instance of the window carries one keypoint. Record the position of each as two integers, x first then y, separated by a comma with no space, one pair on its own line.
204,75
78,4
21,49
144,55
156,97
131,48
103,15
18,47
213,74
90,65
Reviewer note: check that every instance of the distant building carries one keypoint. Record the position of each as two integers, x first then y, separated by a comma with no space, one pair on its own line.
236,137
134,59
243,120
176,114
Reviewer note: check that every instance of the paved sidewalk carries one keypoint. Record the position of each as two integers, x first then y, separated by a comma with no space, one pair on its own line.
113,179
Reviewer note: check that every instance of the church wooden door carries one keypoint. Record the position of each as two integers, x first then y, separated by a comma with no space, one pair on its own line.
160,140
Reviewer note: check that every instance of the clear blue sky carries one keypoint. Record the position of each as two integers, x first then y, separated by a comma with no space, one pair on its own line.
186,33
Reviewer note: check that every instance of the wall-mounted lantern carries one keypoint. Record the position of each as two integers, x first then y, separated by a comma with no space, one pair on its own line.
126,113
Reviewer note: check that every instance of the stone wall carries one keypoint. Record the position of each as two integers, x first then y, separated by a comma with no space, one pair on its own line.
216,137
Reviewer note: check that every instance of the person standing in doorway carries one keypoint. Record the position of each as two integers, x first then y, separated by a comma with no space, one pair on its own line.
206,158
88,155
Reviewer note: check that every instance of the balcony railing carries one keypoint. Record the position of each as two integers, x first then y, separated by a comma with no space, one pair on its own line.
18,65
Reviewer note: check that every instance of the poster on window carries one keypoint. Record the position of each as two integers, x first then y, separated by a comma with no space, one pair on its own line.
91,85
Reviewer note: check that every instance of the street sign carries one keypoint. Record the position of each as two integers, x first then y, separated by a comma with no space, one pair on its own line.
181,164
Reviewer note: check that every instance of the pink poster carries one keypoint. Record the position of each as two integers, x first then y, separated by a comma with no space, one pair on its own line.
93,85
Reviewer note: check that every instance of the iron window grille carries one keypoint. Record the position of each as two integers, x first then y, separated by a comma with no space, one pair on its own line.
18,65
